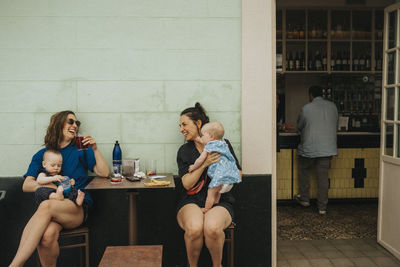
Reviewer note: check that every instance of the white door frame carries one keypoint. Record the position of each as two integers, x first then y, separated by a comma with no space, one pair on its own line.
389,180
258,96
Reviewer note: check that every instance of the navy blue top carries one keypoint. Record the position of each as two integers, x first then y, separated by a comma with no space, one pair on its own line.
76,164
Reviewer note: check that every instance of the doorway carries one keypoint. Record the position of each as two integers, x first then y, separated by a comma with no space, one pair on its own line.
349,228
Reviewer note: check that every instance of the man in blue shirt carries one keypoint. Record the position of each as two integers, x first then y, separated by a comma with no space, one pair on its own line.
317,125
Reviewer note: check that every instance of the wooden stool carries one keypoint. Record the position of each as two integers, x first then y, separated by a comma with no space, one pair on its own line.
230,246
138,256
82,232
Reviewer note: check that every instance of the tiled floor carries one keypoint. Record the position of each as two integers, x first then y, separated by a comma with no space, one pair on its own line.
333,253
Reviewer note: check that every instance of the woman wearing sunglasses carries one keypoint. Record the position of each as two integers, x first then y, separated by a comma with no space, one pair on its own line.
52,215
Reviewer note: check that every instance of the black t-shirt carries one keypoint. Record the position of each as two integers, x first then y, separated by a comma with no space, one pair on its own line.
187,155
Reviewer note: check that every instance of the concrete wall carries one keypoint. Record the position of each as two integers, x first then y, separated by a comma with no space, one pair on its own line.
126,67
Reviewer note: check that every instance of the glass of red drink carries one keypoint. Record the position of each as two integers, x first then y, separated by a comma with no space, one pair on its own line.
79,143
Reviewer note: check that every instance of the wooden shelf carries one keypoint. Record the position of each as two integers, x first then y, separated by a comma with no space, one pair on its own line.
321,21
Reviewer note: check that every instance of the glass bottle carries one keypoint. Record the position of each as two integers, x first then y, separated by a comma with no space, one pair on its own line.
291,62
318,61
338,62
355,63
297,61
324,62
344,61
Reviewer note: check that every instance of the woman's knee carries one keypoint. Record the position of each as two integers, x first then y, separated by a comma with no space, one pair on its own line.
194,229
213,229
49,237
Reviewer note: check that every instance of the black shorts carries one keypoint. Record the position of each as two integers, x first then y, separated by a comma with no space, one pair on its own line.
224,202
43,193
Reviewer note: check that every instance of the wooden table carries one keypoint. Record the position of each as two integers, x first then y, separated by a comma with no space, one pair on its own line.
101,183
138,256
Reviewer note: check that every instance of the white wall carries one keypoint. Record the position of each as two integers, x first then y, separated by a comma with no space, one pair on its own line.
126,67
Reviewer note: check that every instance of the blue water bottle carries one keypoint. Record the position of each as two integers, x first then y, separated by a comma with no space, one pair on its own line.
117,159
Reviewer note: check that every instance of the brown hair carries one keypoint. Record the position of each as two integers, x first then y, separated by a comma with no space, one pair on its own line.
54,134
196,113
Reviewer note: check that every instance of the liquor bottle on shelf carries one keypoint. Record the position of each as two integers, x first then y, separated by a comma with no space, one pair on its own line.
338,63
344,61
301,32
297,61
333,62
310,63
324,62
355,63
361,62
318,61
368,62
291,62
289,31
303,61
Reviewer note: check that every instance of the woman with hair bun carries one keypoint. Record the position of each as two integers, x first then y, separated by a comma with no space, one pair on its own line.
200,227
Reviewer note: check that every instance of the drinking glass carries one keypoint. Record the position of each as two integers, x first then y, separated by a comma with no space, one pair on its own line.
79,143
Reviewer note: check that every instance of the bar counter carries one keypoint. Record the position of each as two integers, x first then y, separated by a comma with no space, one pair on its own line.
354,172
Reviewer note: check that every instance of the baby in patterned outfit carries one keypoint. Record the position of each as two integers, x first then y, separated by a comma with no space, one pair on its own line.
224,173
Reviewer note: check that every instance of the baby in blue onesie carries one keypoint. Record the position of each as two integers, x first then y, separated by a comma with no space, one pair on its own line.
224,173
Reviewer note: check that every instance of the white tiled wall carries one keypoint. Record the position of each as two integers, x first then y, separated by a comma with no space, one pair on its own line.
126,67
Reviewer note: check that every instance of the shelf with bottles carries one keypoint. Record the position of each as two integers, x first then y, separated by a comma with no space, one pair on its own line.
344,37
295,24
295,57
317,57
317,21
340,25
340,56
361,27
356,94
361,56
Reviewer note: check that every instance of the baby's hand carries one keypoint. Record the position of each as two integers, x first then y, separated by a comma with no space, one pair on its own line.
72,181
191,168
204,210
58,178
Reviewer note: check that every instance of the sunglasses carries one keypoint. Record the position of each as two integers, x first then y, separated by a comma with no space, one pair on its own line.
72,121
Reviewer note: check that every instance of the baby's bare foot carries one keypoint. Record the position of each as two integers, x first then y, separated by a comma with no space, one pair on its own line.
80,198
58,194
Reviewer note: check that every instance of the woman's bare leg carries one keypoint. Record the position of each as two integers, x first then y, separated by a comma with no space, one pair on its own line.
190,219
215,222
48,248
65,213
